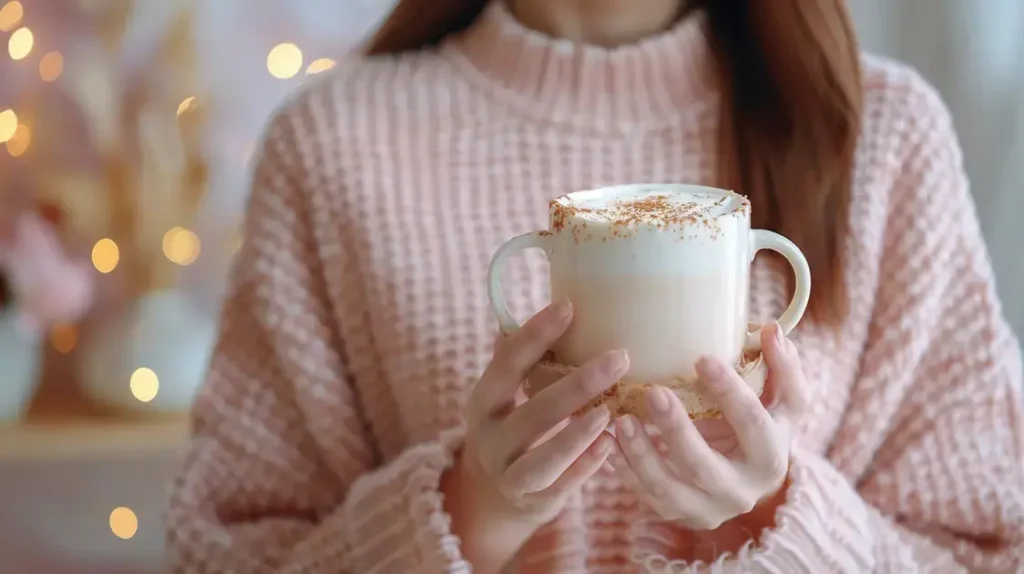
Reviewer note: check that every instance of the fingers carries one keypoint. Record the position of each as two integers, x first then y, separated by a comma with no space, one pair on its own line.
540,467
740,406
515,355
785,373
578,472
688,449
648,465
558,401
624,471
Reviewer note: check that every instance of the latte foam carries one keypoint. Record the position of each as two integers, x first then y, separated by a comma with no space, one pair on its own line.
655,204
621,212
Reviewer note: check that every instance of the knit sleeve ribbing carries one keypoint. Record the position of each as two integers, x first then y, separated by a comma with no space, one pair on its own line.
281,475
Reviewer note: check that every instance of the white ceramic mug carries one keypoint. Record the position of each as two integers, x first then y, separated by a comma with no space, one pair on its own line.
661,270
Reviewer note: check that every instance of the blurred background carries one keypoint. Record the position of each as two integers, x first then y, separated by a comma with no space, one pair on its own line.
127,127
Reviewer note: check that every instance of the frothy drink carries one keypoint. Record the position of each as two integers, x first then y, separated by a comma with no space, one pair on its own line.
659,270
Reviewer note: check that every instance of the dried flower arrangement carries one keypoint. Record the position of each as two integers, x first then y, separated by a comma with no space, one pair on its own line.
143,121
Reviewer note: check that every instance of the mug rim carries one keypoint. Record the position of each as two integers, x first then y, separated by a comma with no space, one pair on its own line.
571,198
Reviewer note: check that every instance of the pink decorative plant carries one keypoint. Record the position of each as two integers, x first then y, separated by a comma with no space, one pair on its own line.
46,286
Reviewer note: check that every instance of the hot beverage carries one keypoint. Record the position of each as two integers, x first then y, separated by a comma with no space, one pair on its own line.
659,270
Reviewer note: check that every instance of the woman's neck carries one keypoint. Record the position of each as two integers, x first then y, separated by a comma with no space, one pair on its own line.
602,22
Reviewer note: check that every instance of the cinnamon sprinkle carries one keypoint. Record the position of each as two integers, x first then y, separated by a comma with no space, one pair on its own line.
625,216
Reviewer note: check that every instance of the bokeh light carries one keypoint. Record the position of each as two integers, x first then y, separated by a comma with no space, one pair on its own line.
8,125
51,66
123,523
144,384
186,105
105,255
64,338
10,15
18,144
181,246
20,44
284,61
321,65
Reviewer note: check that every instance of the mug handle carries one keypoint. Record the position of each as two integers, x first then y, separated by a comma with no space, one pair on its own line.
764,239
538,239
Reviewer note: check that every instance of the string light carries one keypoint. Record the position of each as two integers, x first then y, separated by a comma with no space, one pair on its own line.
10,15
64,338
181,246
284,61
51,66
321,65
20,43
105,255
123,523
185,105
8,125
19,142
144,384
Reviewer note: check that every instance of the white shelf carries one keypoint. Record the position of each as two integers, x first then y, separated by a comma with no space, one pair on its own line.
61,428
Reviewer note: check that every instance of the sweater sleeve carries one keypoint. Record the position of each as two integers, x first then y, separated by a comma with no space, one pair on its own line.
932,446
282,475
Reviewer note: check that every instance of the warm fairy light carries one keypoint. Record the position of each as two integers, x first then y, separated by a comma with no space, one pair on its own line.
321,65
51,66
20,43
64,338
181,246
144,384
105,255
19,142
186,105
284,61
8,125
123,523
10,15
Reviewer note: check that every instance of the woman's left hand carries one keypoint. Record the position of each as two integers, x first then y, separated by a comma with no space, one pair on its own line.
714,471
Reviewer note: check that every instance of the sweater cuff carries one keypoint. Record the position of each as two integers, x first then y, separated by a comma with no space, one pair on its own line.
393,519
824,525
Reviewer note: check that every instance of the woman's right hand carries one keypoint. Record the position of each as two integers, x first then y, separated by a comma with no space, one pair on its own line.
506,477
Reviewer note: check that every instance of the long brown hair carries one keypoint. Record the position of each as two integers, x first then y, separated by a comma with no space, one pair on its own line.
790,75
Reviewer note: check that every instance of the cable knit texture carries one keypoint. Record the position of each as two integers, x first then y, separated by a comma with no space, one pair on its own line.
358,322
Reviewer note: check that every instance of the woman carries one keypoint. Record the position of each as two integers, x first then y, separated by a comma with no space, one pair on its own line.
346,426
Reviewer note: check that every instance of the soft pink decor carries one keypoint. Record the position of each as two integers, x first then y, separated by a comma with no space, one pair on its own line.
48,287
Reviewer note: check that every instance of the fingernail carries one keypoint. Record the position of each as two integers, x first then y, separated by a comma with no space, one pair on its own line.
564,310
711,372
780,336
657,399
626,426
617,363
604,445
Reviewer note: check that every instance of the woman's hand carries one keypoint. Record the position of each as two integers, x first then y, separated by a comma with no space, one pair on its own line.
713,474
521,462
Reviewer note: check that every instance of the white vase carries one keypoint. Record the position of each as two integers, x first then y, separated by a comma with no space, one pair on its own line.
163,332
20,358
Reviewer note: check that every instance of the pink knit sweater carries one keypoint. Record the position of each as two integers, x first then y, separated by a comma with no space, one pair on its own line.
358,321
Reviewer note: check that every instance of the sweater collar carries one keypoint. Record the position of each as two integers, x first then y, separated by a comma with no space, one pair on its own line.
648,82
